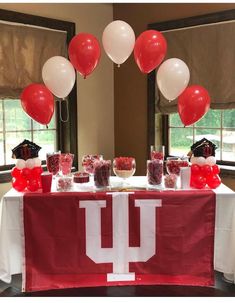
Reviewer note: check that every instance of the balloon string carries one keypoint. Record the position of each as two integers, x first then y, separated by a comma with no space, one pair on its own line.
47,126
67,111
118,65
84,77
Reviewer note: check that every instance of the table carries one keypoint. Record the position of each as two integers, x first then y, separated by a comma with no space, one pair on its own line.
10,230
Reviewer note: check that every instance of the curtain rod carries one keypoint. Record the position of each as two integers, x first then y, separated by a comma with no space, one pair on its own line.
29,25
195,26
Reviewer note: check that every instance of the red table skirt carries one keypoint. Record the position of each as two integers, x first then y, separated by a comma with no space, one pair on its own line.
102,239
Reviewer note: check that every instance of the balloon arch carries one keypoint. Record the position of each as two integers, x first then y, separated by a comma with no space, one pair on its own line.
118,39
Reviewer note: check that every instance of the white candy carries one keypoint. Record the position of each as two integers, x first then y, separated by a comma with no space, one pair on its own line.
211,160
20,163
30,163
37,161
200,161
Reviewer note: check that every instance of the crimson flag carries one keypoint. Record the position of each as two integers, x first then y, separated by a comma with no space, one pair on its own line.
102,239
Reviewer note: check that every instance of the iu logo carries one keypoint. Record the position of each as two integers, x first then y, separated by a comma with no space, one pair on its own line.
120,254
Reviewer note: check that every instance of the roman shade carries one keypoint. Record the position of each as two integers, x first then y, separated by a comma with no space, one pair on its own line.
23,51
209,52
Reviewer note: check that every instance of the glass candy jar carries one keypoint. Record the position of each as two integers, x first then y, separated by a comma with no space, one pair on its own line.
66,161
53,162
173,164
88,163
154,171
102,173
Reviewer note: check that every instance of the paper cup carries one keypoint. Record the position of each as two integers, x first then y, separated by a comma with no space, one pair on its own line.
46,179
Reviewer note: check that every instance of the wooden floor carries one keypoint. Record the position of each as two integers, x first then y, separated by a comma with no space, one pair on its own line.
221,289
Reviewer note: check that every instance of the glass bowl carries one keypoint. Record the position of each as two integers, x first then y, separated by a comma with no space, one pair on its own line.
173,165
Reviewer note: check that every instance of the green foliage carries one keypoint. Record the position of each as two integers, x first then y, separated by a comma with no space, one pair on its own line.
209,126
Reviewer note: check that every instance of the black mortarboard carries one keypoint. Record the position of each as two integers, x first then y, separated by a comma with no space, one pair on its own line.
25,150
203,148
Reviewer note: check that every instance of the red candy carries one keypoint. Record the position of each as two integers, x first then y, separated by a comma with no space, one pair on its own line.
157,155
170,181
53,163
154,172
64,183
81,178
173,166
124,163
88,162
102,172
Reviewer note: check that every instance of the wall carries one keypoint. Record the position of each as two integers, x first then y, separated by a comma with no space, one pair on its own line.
130,85
95,94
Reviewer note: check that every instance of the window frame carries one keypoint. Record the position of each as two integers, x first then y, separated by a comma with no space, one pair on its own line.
66,131
167,25
167,136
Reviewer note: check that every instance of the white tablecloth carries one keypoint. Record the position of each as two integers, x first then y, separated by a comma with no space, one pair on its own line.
10,229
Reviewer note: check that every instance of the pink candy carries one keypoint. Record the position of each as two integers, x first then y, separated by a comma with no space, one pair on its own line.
88,162
64,183
66,161
170,181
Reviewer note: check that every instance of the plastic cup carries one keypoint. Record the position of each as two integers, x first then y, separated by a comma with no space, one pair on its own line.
46,179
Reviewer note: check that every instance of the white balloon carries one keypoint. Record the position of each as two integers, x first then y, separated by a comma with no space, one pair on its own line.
193,160
37,161
211,160
20,163
58,75
172,78
118,41
29,163
200,161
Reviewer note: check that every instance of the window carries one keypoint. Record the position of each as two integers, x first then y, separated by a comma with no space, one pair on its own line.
193,40
217,126
15,125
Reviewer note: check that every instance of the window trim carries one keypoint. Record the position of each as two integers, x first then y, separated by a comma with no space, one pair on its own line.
167,25
66,131
167,127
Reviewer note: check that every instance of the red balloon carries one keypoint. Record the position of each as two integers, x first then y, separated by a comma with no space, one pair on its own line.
19,183
39,183
193,104
150,50
195,169
198,181
216,169
84,53
26,173
38,102
206,170
15,172
36,171
33,185
213,181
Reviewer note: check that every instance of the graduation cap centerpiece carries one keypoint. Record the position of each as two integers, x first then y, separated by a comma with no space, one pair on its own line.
204,171
26,175
25,150
203,148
